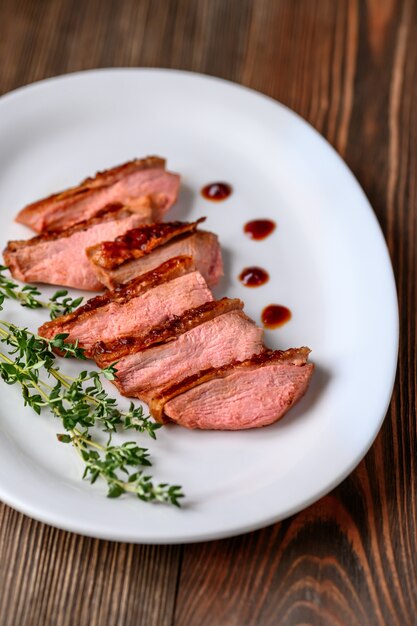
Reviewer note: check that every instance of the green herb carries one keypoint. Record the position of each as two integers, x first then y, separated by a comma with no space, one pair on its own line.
59,304
62,304
81,403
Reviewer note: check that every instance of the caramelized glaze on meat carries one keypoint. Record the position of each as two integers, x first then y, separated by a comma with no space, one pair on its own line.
138,242
106,353
167,271
214,342
145,302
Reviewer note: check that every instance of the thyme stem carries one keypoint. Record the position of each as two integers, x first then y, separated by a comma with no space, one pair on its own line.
59,304
80,404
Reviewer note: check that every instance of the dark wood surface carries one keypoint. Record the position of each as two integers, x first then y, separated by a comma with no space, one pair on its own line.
350,68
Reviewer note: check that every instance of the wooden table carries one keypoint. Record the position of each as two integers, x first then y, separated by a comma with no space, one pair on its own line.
350,68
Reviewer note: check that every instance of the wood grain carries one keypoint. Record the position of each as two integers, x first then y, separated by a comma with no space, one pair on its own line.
349,67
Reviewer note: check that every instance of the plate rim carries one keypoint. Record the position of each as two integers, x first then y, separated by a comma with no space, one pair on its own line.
88,529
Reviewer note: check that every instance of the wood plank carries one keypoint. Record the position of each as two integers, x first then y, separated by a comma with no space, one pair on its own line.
51,577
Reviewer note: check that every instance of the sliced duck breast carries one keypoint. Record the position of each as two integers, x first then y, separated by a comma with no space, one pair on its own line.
134,309
60,258
249,394
143,249
210,335
143,182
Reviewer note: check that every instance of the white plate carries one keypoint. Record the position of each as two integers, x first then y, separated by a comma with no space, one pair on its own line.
327,260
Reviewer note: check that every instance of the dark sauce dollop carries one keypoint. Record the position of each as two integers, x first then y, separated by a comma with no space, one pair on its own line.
275,315
216,191
253,276
259,229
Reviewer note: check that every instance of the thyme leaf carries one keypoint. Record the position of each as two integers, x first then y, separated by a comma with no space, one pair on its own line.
59,304
82,403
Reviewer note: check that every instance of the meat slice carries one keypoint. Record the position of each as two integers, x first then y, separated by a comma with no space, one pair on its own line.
253,393
147,247
60,258
139,242
202,246
144,181
134,309
210,335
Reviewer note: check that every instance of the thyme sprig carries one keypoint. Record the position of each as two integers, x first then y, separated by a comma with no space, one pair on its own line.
82,403
59,304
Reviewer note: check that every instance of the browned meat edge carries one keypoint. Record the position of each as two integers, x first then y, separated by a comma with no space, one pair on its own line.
138,242
173,268
106,353
110,212
158,401
101,179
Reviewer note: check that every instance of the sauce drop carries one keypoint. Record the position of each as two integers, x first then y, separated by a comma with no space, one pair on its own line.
259,229
216,191
275,315
253,276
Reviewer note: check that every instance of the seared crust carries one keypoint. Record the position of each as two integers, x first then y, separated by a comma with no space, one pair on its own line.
173,268
110,212
138,242
106,353
293,356
101,179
